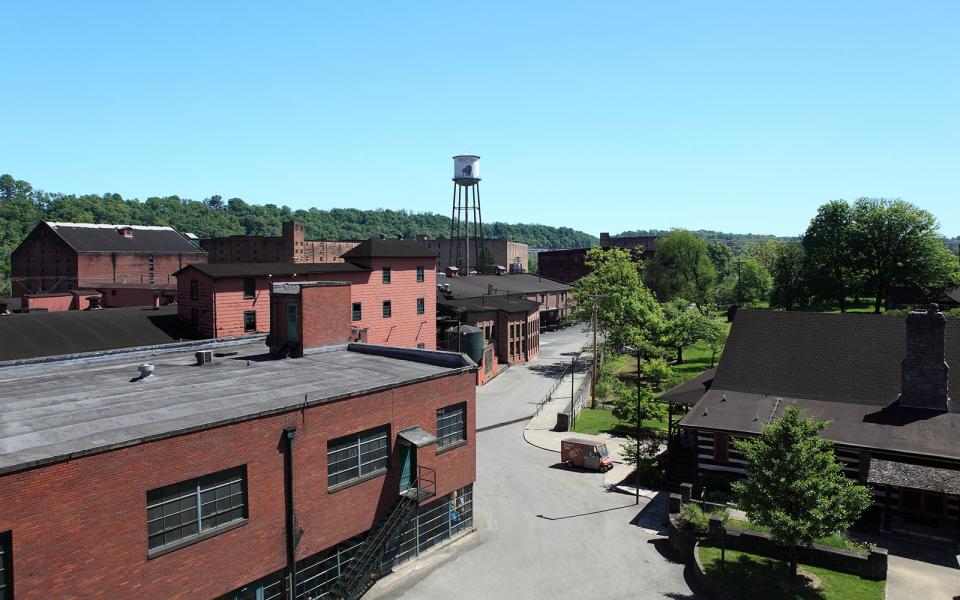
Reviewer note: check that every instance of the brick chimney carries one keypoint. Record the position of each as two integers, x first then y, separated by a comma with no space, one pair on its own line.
923,382
294,249
604,240
308,314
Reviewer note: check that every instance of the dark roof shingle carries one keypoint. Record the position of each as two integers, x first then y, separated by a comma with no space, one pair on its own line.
88,237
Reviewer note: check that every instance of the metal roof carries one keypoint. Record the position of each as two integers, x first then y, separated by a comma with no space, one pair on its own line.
91,237
64,410
416,436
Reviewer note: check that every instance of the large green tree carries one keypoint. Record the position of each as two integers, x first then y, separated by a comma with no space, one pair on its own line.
764,251
681,268
683,325
795,486
789,278
627,313
899,244
748,284
828,245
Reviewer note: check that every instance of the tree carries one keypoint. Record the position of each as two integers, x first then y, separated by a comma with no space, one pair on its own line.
829,249
722,258
795,486
899,244
789,278
625,409
748,285
683,325
627,313
764,251
715,334
681,268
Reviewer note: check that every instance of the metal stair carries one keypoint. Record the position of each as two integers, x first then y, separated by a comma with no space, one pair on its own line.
364,569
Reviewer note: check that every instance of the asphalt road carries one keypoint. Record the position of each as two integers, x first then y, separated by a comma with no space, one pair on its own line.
543,532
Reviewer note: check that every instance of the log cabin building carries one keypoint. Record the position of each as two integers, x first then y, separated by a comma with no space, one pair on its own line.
883,383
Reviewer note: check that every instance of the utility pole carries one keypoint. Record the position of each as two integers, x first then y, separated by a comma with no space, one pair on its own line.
573,410
593,375
636,472
739,287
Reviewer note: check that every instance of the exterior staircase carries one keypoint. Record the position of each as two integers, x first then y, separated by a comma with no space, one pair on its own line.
680,468
364,570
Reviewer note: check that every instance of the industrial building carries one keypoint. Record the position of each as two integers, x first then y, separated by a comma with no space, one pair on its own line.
882,382
555,299
569,265
509,256
289,247
393,297
508,325
63,258
226,471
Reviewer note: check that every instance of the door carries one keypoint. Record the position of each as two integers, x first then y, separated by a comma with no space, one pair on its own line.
293,323
408,466
591,458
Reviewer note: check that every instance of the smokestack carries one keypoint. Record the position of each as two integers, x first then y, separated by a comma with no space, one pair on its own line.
923,382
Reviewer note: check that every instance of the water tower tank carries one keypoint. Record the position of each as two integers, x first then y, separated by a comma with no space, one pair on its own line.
466,169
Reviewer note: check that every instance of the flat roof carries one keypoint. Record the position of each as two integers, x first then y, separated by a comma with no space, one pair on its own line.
219,270
68,409
475,286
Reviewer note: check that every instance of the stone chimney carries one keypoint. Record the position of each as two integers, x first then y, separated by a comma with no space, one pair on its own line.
923,382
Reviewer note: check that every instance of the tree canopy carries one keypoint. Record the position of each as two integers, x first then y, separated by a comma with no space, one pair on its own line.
22,207
681,268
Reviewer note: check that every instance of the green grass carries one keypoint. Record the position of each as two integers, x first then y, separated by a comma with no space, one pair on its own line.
696,360
595,421
838,541
749,576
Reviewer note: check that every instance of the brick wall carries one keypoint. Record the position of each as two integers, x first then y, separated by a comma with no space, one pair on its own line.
48,302
204,304
43,263
80,526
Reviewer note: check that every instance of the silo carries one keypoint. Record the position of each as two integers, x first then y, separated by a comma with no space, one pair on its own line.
471,342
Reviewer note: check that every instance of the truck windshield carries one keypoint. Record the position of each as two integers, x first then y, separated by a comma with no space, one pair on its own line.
602,450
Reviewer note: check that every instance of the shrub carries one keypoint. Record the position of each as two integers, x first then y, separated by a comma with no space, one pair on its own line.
898,313
953,313
694,520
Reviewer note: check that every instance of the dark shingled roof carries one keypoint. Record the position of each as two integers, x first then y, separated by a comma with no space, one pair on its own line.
475,286
40,334
885,472
87,237
840,368
820,356
504,303
219,270
689,392
389,248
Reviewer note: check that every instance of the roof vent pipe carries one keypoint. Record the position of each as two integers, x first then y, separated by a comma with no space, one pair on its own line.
146,370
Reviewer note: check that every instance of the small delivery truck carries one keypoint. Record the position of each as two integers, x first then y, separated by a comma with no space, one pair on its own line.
586,454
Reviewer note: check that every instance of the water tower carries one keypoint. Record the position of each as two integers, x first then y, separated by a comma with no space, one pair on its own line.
466,222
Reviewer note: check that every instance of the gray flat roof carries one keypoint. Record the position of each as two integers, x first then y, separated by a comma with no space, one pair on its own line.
56,411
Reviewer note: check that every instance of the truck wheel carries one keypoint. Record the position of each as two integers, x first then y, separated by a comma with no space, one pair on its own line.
569,464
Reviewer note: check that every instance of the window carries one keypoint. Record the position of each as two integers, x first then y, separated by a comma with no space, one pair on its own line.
451,425
190,509
420,306
357,313
386,274
6,566
194,289
421,346
357,455
387,310
249,287
249,320
721,447
419,274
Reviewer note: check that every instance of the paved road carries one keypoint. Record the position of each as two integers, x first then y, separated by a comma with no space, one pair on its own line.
543,532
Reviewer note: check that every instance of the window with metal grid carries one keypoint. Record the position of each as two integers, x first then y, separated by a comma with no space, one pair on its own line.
6,570
387,309
186,510
420,306
386,274
419,274
357,455
451,425
357,311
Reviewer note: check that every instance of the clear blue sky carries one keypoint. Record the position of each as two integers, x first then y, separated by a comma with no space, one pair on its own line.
602,116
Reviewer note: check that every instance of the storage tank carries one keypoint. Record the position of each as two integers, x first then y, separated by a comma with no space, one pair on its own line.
471,342
466,169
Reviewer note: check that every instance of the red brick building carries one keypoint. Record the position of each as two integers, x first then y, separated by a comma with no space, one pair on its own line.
238,479
570,265
393,300
555,299
290,247
60,257
510,324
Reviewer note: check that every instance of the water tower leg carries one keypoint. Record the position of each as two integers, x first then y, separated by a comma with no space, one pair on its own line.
453,216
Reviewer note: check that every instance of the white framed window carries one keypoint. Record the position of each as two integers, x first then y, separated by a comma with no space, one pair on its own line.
357,455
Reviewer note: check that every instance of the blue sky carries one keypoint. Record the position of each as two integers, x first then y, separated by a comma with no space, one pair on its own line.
602,116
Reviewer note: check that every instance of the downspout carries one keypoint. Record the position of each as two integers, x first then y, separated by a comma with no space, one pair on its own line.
213,308
288,434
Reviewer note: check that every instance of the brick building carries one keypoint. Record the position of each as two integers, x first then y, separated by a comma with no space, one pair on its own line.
510,324
241,478
60,257
512,256
289,247
393,296
570,265
555,299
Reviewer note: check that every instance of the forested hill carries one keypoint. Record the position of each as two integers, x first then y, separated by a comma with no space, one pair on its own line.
710,236
21,207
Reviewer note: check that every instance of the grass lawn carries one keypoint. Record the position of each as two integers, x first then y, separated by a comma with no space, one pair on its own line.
696,360
834,541
596,421
749,576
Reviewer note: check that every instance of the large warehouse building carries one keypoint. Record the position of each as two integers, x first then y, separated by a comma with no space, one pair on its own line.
234,473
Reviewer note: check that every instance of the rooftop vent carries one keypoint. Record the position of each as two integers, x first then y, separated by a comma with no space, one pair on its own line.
126,232
145,370
204,357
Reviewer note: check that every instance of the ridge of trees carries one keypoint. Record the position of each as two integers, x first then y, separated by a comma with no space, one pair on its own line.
22,207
